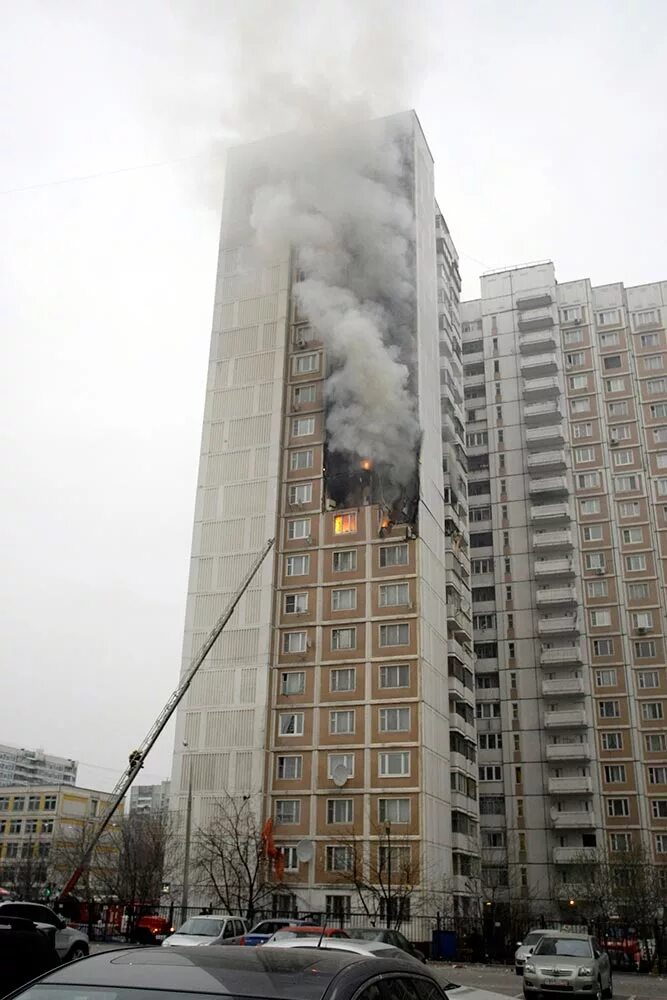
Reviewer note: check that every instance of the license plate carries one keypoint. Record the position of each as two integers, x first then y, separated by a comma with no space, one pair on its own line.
160,937
553,981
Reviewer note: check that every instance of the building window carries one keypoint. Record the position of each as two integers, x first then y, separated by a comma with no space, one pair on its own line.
619,432
288,811
394,720
393,595
33,803
588,480
661,843
609,709
626,484
657,775
580,405
303,364
597,588
343,638
394,635
304,394
660,435
607,318
395,675
625,456
290,724
648,678
600,618
295,642
345,561
633,536
340,810
614,774
578,381
592,506
490,741
594,561
487,710
339,858
652,711
628,508
638,591
343,679
393,555
290,858
297,565
584,454
659,808
582,430
605,678
654,362
301,459
394,810
636,563
394,764
646,318
296,604
658,410
344,600
642,619
575,360
50,802
303,426
620,409
603,647
300,493
342,760
612,741
345,524
656,385
338,909
620,842
292,682
490,772
289,768
299,528
592,533
341,722
15,825
612,361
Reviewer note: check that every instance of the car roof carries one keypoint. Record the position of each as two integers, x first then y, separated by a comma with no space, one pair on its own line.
209,916
289,973
343,944
570,935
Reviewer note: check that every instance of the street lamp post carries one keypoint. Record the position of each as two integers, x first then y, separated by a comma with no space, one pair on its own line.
388,832
186,847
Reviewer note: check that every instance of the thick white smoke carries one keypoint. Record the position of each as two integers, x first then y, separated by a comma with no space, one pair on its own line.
340,203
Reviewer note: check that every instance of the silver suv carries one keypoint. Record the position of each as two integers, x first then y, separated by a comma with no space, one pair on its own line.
69,943
573,964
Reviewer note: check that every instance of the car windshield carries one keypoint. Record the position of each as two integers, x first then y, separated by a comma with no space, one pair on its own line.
201,925
533,937
570,947
366,934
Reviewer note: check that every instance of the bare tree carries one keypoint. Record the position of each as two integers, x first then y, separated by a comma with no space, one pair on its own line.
230,857
147,855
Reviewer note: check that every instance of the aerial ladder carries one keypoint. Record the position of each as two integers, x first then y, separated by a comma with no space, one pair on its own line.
138,756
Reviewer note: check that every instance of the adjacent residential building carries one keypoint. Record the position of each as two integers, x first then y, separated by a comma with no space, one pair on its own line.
341,692
43,830
566,421
19,766
149,798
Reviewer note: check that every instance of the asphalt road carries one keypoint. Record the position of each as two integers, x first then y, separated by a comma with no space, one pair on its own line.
504,980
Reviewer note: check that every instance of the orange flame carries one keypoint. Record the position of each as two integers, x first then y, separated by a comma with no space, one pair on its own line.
366,464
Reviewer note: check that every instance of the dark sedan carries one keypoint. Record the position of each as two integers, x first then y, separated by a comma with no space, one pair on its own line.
236,972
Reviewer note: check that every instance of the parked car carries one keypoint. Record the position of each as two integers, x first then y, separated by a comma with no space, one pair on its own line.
207,928
69,943
25,952
572,964
307,930
388,936
272,973
261,932
525,947
369,949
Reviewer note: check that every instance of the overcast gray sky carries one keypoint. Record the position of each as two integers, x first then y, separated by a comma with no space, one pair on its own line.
547,125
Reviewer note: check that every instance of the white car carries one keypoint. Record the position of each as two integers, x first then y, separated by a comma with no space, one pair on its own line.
378,949
525,948
69,942
207,928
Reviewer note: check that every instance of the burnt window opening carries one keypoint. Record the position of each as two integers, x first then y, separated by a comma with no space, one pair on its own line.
351,481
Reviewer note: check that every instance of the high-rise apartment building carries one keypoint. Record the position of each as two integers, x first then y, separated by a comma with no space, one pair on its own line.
566,419
149,798
34,767
340,695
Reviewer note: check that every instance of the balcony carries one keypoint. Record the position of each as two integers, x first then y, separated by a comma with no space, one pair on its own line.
573,856
565,625
551,512
542,413
454,648
528,324
553,568
459,623
564,687
557,752
574,718
541,301
536,343
561,540
560,656
541,388
575,820
548,485
546,461
549,597
534,365
540,437
571,786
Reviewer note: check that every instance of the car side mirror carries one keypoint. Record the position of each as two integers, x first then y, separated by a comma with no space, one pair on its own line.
518,944
530,950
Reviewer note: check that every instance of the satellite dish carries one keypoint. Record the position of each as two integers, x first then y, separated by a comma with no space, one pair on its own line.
340,775
304,850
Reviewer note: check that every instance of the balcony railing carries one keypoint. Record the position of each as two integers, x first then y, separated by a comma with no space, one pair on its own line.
573,856
541,301
563,687
574,785
552,484
535,388
536,342
564,625
528,324
557,752
553,596
551,512
575,718
539,437
534,365
561,540
542,413
553,568
560,656
575,820
547,461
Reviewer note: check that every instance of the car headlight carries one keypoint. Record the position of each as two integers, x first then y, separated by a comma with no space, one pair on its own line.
585,970
529,967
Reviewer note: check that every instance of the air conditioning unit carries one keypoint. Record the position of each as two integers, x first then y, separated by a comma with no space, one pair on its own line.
641,630
296,503
295,407
300,344
599,571
577,322
310,540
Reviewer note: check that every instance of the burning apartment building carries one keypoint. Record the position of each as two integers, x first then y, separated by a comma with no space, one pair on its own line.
339,699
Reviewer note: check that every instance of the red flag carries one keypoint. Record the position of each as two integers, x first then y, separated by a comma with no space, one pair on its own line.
267,839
